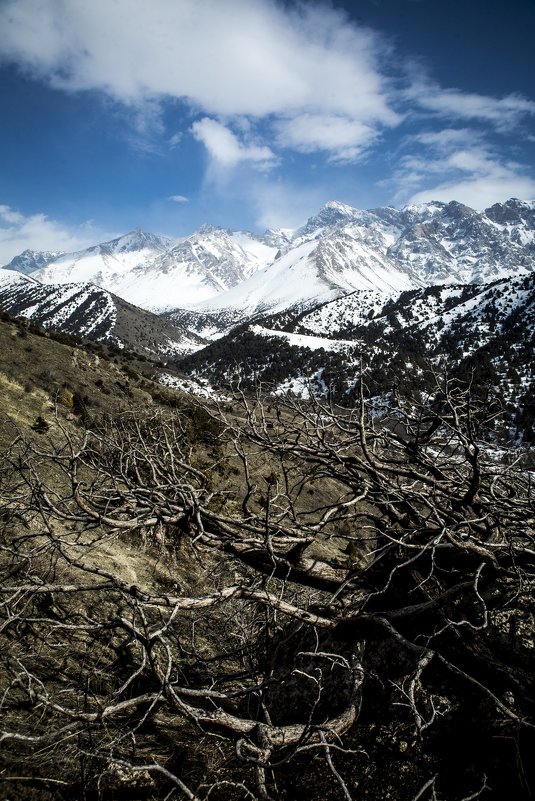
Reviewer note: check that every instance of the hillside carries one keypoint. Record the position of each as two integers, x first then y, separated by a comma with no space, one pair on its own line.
43,374
487,331
89,312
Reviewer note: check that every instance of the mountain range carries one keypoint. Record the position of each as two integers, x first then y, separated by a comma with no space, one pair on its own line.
435,280
339,250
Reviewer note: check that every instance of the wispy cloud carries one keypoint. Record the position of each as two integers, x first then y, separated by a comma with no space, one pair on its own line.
503,113
480,191
283,204
38,232
459,164
178,198
342,138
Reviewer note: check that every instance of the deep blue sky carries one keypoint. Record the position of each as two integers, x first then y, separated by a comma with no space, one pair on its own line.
252,113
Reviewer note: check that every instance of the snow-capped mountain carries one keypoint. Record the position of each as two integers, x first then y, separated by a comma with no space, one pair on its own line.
437,242
217,278
234,275
156,273
311,272
455,244
30,260
201,266
385,250
107,264
87,311
516,218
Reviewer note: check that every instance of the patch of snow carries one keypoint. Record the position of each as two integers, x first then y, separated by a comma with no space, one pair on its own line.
199,387
304,340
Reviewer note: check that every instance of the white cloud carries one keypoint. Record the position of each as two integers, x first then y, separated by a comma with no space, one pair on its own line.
501,112
480,192
38,232
224,147
458,164
8,215
250,58
259,76
179,198
343,137
448,138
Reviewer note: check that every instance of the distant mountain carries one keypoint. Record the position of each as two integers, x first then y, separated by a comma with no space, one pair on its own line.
384,250
87,311
157,273
220,276
216,277
517,217
30,260
108,264
201,266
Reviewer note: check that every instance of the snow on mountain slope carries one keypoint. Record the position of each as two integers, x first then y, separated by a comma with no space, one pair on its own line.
90,312
387,250
30,260
490,313
484,333
155,273
202,266
332,215
10,279
104,264
434,243
78,308
236,275
456,244
456,318
470,314
343,314
302,340
515,218
312,272
290,279
348,263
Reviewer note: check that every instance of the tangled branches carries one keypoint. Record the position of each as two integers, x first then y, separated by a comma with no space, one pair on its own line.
303,602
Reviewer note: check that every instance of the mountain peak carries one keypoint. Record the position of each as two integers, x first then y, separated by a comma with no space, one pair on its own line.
429,207
513,211
332,213
139,240
456,208
208,228
343,208
30,260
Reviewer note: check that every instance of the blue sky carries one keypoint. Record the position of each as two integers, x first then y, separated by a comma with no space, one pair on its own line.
167,114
